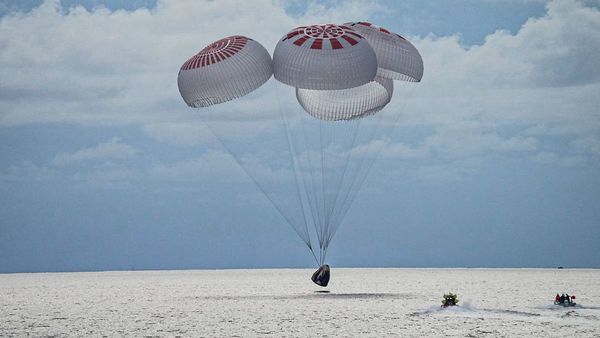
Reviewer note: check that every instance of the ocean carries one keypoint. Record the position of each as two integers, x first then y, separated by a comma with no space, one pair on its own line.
285,303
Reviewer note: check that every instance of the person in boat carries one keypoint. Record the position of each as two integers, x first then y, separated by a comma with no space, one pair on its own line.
450,299
557,298
567,298
562,298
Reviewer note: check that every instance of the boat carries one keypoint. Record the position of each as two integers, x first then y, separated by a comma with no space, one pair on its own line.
448,305
450,299
565,301
565,304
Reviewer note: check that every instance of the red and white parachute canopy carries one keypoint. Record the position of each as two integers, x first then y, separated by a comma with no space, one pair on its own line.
224,70
340,72
397,59
333,69
324,57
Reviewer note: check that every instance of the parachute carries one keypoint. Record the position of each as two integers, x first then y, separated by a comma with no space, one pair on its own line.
224,70
324,57
334,105
308,155
397,58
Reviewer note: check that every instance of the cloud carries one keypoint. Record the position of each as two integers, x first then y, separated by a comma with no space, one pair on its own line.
107,176
111,150
512,94
449,144
179,133
555,50
547,157
515,92
588,144
27,170
120,67
401,150
212,163
460,143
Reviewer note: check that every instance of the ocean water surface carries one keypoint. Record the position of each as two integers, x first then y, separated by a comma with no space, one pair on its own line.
285,303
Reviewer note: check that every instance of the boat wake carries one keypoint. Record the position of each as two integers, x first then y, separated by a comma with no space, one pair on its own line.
467,309
463,308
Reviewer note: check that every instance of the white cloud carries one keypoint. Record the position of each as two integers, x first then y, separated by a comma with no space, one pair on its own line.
107,176
447,172
459,143
514,91
547,157
401,150
589,145
212,163
104,67
451,143
179,133
27,170
112,68
113,149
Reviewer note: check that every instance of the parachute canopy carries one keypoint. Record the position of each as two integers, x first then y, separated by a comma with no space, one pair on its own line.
397,59
224,70
324,57
346,104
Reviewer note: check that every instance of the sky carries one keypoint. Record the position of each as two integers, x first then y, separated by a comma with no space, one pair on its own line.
494,161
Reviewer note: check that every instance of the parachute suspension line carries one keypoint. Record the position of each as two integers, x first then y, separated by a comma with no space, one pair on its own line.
338,188
355,187
325,137
330,153
322,235
314,256
292,153
359,174
321,256
336,140
328,158
340,135
306,241
353,193
356,174
313,197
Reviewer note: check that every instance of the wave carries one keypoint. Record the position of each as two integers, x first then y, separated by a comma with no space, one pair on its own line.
468,309
463,308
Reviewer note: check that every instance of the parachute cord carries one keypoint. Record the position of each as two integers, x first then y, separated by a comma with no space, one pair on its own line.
307,242
346,165
320,255
325,225
354,193
345,206
329,156
352,190
297,171
326,171
313,198
314,256
308,193
292,153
